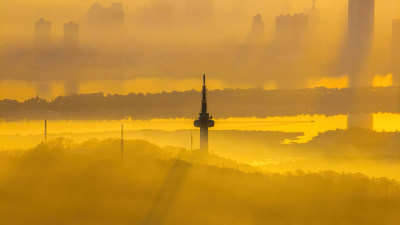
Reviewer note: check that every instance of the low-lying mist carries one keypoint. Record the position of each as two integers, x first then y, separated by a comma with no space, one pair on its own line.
60,182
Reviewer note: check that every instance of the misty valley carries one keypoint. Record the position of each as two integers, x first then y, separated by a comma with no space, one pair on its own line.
280,144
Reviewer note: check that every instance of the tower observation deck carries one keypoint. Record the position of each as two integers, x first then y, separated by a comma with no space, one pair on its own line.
204,121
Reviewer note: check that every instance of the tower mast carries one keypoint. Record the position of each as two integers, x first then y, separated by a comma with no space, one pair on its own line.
45,130
122,141
204,121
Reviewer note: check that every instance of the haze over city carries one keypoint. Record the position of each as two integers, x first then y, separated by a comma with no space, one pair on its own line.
158,112
142,44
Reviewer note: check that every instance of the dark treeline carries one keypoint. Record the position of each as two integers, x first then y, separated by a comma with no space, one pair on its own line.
222,103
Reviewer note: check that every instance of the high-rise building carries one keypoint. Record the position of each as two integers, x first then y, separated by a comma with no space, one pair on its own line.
106,24
395,52
396,34
116,13
291,26
257,27
361,24
42,33
106,16
313,14
71,36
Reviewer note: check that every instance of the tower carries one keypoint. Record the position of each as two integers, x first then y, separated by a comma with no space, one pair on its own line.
204,121
42,33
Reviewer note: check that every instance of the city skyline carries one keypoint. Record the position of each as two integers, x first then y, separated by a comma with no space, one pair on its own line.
126,58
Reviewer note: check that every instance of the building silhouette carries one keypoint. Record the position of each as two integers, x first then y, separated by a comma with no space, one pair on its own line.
106,24
257,30
291,26
42,34
286,54
396,33
71,36
204,121
395,52
106,16
396,30
361,25
360,34
313,15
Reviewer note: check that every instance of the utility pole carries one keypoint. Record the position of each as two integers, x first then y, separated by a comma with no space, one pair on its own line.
45,131
191,142
122,141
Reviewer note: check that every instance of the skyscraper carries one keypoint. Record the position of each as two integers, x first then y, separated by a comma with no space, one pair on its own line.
313,15
106,25
105,17
42,33
361,24
71,36
395,52
291,26
396,34
204,121
257,30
